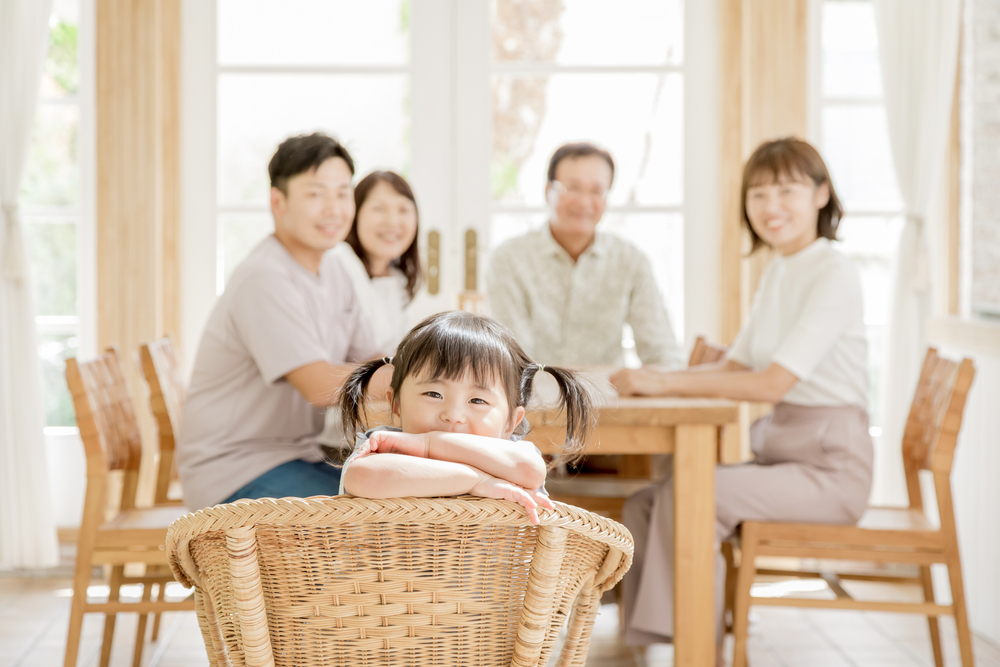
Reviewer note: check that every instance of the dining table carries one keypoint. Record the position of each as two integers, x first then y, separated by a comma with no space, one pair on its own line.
691,430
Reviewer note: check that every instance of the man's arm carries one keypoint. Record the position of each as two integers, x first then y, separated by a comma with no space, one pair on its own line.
320,382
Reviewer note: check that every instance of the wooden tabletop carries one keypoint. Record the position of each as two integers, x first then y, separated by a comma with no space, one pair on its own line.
650,411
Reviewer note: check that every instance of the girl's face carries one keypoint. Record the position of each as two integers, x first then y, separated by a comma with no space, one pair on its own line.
455,406
784,213
387,224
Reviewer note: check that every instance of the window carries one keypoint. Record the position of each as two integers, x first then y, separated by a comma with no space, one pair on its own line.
55,202
468,98
854,139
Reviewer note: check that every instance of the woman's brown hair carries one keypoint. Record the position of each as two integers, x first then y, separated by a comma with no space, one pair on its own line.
409,261
456,344
790,158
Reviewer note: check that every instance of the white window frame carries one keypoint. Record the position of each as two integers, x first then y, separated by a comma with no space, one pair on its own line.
84,323
816,103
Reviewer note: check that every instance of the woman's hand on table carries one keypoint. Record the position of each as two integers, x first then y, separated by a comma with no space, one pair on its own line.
643,381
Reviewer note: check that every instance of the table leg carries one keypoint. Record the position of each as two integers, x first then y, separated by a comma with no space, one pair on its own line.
694,557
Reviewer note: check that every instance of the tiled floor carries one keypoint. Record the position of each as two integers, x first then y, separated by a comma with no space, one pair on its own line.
34,612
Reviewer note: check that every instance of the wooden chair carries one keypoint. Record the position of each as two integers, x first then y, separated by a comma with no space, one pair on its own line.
884,534
606,494
704,352
110,434
402,581
161,369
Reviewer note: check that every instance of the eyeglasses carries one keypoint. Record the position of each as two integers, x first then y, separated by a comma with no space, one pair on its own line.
577,192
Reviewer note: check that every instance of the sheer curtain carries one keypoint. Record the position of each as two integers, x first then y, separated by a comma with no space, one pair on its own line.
918,50
27,532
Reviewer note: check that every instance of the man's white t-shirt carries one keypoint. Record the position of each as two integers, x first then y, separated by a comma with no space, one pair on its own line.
808,317
241,417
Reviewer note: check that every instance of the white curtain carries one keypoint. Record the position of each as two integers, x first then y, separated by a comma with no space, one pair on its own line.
27,532
918,51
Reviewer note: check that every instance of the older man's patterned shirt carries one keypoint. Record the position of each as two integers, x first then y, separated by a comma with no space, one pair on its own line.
568,313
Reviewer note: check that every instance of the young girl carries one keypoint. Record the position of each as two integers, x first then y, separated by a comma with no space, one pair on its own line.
459,389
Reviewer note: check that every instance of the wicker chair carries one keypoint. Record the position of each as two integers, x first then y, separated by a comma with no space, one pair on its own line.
403,581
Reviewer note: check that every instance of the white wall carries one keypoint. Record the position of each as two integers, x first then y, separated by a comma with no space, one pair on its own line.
67,475
977,493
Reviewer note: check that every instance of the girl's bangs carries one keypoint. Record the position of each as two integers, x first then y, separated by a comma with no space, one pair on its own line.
462,355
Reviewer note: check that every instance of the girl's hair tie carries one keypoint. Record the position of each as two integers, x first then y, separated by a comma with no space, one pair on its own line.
387,361
541,368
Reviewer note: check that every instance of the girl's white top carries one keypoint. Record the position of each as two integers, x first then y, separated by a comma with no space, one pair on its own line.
383,300
808,317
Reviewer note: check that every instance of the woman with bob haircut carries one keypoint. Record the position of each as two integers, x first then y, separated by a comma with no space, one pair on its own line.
803,349
380,254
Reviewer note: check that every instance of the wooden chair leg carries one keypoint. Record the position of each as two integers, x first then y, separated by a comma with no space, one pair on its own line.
81,578
156,626
932,621
741,600
958,606
161,591
731,574
140,633
114,592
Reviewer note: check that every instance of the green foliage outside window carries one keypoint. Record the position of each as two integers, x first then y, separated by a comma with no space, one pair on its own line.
61,64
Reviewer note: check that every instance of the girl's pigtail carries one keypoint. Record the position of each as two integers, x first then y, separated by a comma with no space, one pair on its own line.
577,397
354,398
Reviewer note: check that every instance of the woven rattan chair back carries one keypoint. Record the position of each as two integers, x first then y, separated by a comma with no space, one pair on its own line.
704,352
352,581
161,370
931,432
105,414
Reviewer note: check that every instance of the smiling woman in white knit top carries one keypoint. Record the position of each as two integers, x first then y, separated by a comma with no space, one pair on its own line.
803,348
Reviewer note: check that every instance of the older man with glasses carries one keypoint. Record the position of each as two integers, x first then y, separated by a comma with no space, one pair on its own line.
567,290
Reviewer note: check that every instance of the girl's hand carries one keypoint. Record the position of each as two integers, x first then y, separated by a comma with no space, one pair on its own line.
494,487
643,381
393,442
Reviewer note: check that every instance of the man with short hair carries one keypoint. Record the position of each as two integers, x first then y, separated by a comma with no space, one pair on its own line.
275,348
567,290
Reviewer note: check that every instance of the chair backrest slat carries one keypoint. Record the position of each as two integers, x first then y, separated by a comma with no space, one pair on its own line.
105,414
931,431
161,370
704,352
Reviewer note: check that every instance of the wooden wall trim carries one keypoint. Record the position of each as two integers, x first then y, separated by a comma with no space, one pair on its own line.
730,166
764,80
138,191
953,211
170,129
